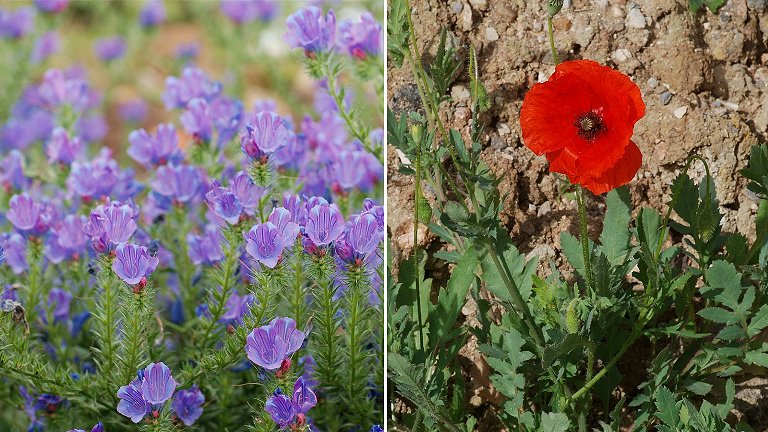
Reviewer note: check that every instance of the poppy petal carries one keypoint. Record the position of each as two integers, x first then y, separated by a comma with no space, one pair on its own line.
621,173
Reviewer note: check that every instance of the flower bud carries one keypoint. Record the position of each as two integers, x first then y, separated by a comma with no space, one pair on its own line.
417,133
572,320
553,7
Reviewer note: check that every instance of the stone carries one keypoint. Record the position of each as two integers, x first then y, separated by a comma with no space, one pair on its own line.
456,7
491,35
503,129
621,55
544,209
652,82
680,112
635,18
665,97
459,92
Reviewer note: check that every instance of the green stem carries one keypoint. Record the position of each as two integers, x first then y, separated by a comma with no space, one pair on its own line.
416,199
584,237
551,32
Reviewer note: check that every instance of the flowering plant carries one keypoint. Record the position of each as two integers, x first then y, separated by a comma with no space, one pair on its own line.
209,260
551,346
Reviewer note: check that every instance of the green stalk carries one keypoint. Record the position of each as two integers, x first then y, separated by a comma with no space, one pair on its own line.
584,237
228,268
416,198
551,32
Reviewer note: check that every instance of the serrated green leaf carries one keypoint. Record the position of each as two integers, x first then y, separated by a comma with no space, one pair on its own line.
452,299
615,236
759,321
757,358
554,422
718,315
667,408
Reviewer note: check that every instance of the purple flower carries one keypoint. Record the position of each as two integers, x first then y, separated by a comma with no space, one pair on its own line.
245,11
281,409
265,243
226,115
158,384
12,172
51,5
268,133
133,111
188,405
303,396
15,252
96,178
61,299
247,191
310,30
24,212
16,24
58,89
365,234
224,203
196,119
236,307
92,127
133,263
153,149
187,51
132,403
193,83
110,48
46,46
282,219
152,14
67,239
98,428
361,39
205,248
325,224
350,168
61,148
267,346
377,428
114,222
180,182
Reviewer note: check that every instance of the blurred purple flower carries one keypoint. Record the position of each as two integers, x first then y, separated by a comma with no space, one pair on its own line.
180,182
224,203
246,11
96,178
18,23
57,89
265,243
188,404
310,30
187,51
61,148
15,247
325,224
205,248
61,300
153,149
110,48
24,212
247,192
152,14
12,172
46,46
267,133
91,127
193,83
236,307
196,120
350,168
51,6
365,234
134,111
281,409
133,263
362,38
67,239
289,230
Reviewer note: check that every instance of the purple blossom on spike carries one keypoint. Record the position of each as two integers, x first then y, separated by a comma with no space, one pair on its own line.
236,307
310,30
225,114
188,404
133,263
247,192
16,24
267,133
57,89
224,203
152,14
133,111
61,301
96,178
205,248
264,242
267,346
362,38
153,149
110,48
196,119
281,218
91,127
365,234
61,148
45,46
350,169
119,221
12,172
181,182
24,212
67,239
325,224
303,396
132,404
281,409
158,384
15,247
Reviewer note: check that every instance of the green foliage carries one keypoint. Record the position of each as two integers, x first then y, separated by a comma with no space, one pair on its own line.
757,171
712,5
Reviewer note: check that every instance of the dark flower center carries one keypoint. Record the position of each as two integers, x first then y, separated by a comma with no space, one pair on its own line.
589,125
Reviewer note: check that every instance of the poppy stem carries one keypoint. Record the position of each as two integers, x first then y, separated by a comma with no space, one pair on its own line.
584,237
551,32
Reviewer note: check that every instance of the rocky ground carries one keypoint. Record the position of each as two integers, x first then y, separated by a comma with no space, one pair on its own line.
704,78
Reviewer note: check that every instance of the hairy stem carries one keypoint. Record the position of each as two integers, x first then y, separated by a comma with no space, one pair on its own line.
584,237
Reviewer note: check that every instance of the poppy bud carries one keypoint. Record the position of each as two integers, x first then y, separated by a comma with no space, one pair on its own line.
417,133
554,6
572,320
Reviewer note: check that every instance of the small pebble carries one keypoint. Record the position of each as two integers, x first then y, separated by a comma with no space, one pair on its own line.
459,92
680,112
544,209
504,129
456,7
621,55
652,82
491,35
666,97
635,18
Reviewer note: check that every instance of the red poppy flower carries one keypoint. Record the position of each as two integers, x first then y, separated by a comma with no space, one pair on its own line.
582,119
